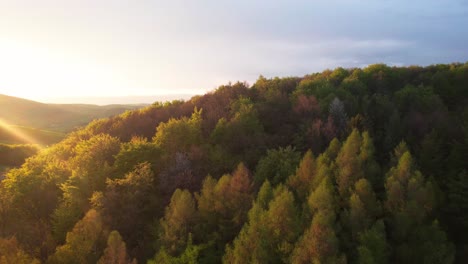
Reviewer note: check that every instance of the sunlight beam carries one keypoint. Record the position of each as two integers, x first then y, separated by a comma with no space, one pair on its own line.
18,134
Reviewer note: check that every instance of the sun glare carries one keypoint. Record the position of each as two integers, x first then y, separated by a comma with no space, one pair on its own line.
37,72
17,133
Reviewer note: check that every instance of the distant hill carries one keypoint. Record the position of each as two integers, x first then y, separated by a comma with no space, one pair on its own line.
54,117
111,100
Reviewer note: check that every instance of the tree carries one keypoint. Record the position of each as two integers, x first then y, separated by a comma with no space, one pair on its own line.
349,164
136,195
92,163
116,251
304,178
247,247
319,243
364,207
270,233
90,166
238,134
177,223
338,115
179,135
189,256
10,252
456,210
410,200
277,165
373,247
306,106
355,161
84,243
282,221
223,207
137,151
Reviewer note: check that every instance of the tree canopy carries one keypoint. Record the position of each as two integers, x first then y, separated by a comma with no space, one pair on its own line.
343,166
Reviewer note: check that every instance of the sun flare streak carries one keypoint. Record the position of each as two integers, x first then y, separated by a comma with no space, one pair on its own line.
17,133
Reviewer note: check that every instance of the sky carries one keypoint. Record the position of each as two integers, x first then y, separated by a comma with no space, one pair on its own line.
58,49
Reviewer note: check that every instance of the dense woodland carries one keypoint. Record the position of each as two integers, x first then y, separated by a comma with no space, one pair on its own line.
344,166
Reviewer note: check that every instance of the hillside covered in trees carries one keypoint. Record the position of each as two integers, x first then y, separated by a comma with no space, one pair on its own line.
58,118
344,166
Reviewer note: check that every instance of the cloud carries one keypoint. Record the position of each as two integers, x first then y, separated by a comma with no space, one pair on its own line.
149,46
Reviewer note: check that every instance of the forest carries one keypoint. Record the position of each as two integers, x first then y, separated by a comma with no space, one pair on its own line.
343,166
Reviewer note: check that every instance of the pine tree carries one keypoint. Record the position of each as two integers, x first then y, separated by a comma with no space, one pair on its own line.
373,247
410,200
364,208
349,165
319,243
223,207
177,223
270,233
301,182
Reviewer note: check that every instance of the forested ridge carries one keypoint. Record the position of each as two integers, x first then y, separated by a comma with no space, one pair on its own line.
41,120
343,166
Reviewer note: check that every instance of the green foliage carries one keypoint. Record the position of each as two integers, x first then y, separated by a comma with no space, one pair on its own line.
137,151
270,233
373,246
277,165
84,243
241,132
15,155
92,163
223,207
178,222
319,243
364,208
426,244
189,256
304,178
323,198
410,199
364,199
179,134
355,161
457,204
136,195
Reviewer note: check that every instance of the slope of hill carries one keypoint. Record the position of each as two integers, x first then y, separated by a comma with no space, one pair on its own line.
12,134
54,117
343,166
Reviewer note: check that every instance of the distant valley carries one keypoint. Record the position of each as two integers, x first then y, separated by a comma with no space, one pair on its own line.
48,123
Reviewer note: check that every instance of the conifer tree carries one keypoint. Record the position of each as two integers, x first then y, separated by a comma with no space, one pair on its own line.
301,182
223,207
364,208
270,233
410,201
373,247
319,243
349,164
177,223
